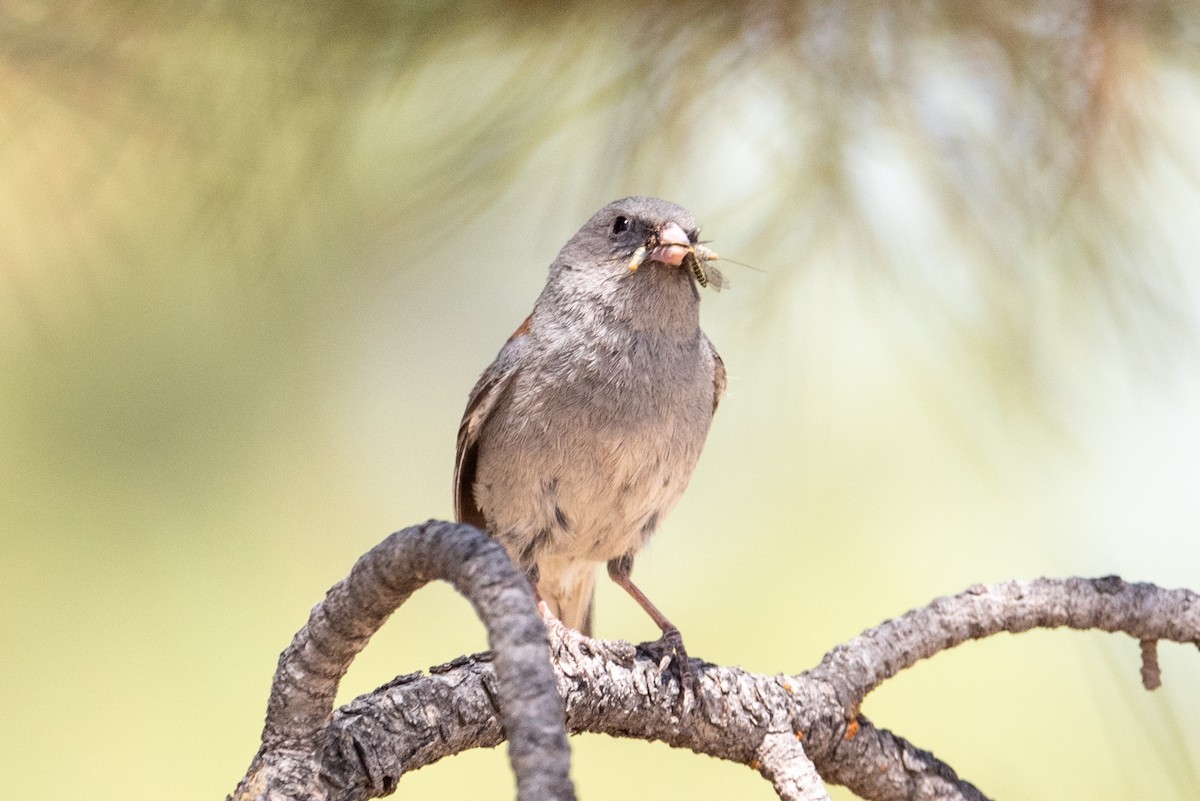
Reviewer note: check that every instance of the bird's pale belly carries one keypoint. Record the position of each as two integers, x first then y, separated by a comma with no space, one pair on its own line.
585,498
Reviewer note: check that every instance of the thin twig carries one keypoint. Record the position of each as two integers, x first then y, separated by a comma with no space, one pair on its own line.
1151,674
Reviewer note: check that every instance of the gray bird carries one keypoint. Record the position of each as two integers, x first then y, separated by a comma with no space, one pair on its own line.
583,433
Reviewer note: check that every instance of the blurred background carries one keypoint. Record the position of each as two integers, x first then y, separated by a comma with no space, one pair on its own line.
254,256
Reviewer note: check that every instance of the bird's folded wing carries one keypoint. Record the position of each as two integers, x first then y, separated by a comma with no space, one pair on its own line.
491,386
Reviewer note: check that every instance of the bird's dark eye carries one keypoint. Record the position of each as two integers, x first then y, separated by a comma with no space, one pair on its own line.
620,225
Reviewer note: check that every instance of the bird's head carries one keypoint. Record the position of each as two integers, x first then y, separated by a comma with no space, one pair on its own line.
632,235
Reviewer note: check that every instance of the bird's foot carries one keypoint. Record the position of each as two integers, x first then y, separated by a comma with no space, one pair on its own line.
669,648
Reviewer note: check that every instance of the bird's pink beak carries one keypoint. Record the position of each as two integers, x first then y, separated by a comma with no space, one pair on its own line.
671,245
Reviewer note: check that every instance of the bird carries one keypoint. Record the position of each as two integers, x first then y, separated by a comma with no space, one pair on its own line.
584,431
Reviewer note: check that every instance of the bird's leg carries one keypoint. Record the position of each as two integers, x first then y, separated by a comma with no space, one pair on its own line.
671,642
534,575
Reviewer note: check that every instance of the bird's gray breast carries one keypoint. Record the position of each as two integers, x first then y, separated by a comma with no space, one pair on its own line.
593,443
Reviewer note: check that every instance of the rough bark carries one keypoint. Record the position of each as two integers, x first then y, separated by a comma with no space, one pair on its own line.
798,731
294,761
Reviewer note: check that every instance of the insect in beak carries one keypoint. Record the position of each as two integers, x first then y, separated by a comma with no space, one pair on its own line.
696,261
639,256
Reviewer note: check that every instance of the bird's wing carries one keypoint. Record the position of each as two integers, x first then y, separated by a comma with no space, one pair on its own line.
492,385
718,375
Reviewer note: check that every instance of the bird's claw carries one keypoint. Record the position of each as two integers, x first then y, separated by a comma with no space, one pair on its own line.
670,646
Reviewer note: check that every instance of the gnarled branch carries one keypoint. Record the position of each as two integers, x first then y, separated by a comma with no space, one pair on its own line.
293,761
798,730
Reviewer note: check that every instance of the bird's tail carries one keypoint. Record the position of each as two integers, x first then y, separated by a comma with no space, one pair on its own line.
570,596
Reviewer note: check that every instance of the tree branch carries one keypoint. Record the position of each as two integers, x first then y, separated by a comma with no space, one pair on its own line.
291,762
782,761
876,764
612,687
1143,611
797,731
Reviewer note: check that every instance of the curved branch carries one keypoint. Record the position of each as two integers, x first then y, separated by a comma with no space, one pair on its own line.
1143,611
618,689
291,762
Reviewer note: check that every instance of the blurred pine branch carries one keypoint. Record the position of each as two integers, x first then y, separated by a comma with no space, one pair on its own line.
995,163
